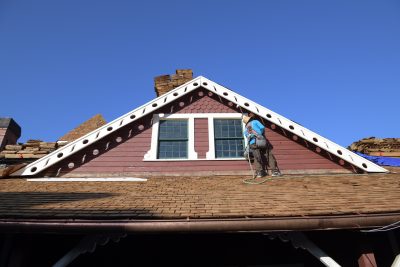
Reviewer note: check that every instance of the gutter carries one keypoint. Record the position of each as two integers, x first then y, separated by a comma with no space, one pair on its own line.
198,225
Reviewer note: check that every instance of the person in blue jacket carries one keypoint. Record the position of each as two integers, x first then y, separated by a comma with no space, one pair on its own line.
264,159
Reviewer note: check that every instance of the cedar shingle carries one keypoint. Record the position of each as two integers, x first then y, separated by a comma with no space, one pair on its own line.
208,197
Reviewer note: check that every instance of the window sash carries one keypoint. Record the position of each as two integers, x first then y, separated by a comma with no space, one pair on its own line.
229,149
170,146
177,149
169,128
228,130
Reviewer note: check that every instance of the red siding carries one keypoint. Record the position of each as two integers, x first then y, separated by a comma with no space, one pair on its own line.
126,157
206,102
201,137
200,101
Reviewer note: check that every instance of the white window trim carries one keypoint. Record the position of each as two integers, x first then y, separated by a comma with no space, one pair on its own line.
151,155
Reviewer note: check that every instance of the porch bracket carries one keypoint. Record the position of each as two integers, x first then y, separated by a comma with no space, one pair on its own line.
88,244
396,262
300,240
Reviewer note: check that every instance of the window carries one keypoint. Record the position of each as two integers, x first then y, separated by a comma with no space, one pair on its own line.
173,139
228,136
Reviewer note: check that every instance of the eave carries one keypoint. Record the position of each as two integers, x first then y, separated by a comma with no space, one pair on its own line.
362,221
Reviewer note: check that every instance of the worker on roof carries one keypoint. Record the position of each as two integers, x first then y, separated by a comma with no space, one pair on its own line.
261,148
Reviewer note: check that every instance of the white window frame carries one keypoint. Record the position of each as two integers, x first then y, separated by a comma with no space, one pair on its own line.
151,155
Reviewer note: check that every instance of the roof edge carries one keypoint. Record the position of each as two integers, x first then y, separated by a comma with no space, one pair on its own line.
201,225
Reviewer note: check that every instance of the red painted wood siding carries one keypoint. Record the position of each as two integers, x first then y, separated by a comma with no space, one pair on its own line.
126,157
205,102
201,143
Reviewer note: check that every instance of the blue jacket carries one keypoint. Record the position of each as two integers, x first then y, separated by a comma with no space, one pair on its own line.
256,126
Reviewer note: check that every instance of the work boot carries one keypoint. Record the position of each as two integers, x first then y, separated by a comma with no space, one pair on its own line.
276,173
261,174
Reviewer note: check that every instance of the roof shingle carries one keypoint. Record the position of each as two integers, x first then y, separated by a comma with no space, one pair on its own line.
202,198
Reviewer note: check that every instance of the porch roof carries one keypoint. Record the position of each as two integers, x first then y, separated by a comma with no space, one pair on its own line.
284,203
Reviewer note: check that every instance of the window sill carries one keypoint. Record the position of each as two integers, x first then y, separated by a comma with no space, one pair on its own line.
221,159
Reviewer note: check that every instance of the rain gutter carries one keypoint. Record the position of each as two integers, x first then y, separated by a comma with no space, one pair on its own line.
199,225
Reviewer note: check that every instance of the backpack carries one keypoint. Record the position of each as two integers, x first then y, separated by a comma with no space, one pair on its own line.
261,141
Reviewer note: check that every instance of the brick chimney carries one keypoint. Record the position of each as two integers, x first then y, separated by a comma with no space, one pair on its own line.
86,127
165,83
10,131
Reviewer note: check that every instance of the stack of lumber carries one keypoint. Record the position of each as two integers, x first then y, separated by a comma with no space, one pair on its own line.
14,157
387,147
32,149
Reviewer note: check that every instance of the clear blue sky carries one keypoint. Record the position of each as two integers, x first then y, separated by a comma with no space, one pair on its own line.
332,66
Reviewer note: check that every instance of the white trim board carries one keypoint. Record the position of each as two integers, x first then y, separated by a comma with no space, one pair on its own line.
97,179
43,163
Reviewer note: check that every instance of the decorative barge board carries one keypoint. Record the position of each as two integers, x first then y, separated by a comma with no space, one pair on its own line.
128,145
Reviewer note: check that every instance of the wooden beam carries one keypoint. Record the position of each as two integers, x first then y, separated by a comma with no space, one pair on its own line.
385,154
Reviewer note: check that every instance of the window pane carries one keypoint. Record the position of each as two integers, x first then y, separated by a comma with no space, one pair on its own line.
229,148
231,128
173,129
172,149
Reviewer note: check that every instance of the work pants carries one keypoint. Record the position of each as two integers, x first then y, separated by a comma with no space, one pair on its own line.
264,159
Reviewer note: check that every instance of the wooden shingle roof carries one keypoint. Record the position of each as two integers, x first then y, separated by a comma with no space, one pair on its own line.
311,202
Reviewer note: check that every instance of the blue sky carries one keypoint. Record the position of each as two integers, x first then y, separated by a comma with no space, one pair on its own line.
332,66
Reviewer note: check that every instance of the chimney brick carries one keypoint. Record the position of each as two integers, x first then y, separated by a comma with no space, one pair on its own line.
165,83
10,131
85,128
